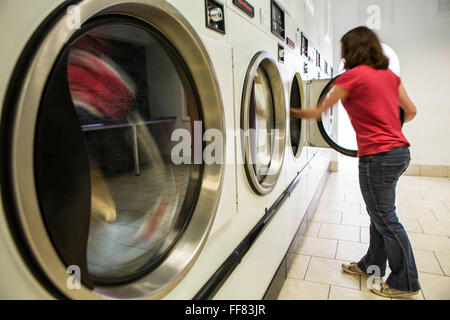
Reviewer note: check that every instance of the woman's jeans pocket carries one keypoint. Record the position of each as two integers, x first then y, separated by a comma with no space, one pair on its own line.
391,171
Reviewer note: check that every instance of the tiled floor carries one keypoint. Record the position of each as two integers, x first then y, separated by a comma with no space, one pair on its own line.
338,232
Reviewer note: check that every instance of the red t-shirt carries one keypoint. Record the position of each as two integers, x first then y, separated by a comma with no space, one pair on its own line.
373,108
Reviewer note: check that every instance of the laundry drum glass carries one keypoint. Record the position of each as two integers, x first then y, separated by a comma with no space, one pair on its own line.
337,128
262,121
295,124
130,95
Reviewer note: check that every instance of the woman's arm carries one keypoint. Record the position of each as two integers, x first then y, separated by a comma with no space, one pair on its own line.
334,95
406,104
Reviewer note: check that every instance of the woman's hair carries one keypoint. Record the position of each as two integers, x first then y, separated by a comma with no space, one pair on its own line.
361,46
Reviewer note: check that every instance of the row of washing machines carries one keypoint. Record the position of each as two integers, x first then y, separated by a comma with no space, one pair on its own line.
111,112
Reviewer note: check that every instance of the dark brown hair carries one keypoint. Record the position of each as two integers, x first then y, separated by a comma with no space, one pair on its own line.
361,46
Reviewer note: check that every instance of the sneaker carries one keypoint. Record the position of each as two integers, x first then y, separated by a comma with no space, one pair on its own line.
353,268
388,292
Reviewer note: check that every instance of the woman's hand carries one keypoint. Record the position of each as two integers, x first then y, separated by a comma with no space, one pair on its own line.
310,113
334,95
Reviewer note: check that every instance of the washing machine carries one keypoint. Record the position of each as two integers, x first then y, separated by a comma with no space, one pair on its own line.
106,110
261,115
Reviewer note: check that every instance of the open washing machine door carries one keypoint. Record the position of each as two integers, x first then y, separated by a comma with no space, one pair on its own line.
324,133
91,123
334,130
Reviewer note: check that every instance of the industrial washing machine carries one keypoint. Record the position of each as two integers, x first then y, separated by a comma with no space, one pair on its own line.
96,97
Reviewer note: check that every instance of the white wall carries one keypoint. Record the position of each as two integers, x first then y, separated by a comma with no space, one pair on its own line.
317,27
423,46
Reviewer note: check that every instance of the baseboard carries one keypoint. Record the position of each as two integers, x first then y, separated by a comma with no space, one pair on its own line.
334,166
280,276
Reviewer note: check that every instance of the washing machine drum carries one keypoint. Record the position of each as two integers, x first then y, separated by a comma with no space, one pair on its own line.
108,192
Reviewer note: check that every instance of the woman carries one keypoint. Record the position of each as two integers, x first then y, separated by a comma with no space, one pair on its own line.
371,94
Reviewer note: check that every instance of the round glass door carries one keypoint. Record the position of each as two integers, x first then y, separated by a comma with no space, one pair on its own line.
263,122
129,96
94,129
296,101
336,128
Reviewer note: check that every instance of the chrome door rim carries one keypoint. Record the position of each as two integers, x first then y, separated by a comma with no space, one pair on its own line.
323,132
302,98
271,68
164,17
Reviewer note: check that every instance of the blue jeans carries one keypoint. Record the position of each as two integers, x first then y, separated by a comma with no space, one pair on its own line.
378,176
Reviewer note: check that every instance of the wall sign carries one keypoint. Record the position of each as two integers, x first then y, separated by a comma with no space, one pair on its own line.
290,43
245,6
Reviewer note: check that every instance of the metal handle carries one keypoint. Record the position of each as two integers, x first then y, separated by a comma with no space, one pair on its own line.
216,14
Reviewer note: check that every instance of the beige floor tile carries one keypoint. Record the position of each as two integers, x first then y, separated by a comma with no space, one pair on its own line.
447,205
322,205
351,251
294,289
435,227
341,182
435,287
347,207
299,266
411,225
355,219
313,229
327,216
317,247
332,196
414,213
339,293
416,188
339,232
427,204
363,209
435,196
427,262
444,261
329,271
365,235
441,215
429,242
439,189
428,181
354,198
410,195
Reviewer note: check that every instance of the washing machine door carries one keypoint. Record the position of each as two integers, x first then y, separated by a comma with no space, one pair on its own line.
297,127
263,123
100,191
334,129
